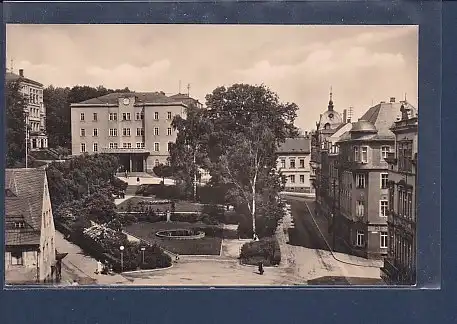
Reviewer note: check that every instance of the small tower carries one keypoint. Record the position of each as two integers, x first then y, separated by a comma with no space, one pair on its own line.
330,102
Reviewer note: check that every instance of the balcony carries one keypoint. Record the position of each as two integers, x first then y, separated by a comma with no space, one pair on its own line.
124,150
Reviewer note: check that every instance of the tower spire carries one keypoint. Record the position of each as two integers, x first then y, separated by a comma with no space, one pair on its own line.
330,102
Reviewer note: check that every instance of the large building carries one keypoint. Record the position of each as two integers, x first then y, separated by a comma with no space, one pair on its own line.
400,264
293,162
35,111
134,126
30,254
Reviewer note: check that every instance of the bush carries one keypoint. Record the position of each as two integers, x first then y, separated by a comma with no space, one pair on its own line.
265,250
187,218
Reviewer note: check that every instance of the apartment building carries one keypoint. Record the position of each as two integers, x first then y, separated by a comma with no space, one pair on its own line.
35,111
293,162
400,264
134,126
30,254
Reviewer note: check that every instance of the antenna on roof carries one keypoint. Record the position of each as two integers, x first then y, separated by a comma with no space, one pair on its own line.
188,89
405,96
179,86
12,65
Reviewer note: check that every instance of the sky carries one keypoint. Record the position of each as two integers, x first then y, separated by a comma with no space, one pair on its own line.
362,64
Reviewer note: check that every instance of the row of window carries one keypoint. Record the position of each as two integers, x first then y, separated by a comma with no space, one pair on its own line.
125,132
360,239
405,201
291,178
383,208
139,145
361,153
35,95
125,116
292,163
361,180
34,112
34,126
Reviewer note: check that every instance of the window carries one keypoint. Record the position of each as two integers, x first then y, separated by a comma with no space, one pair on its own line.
156,163
17,258
360,180
283,163
140,145
156,131
82,132
95,132
127,145
156,115
360,239
156,147
302,164
364,154
404,155
95,116
169,146
83,147
383,238
137,116
384,180
125,116
384,151
95,147
292,178
113,132
356,153
112,116
113,145
169,131
360,208
292,163
81,117
126,131
383,208
302,178
169,115
139,131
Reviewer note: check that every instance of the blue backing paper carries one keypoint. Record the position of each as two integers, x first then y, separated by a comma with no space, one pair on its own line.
290,305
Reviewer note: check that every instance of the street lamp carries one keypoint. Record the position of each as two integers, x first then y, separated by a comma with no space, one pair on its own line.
122,257
142,252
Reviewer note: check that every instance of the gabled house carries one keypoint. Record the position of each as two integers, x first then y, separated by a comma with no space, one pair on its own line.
30,254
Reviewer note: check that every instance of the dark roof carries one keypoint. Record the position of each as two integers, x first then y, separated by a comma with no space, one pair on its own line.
24,202
9,77
363,126
295,145
141,97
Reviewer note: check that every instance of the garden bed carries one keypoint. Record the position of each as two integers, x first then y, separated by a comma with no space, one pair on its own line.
208,245
266,250
140,204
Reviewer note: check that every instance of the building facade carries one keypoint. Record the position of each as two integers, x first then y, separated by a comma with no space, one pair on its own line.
293,162
30,253
400,264
134,126
35,111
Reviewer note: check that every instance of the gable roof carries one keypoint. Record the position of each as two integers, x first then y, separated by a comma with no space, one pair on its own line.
295,145
9,77
24,203
141,97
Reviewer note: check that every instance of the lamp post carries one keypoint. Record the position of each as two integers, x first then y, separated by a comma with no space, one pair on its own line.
142,252
334,215
122,257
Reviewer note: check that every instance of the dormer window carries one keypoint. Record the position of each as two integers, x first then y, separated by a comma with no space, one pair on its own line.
19,224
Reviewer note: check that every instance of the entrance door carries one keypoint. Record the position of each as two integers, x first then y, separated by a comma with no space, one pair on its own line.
125,162
137,164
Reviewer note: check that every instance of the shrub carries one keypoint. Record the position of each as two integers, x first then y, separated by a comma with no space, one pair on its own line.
265,250
188,218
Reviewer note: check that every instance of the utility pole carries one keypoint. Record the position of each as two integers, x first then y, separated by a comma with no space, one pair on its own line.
26,139
334,215
188,89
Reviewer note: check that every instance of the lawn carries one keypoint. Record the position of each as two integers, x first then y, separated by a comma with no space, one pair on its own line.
180,206
205,246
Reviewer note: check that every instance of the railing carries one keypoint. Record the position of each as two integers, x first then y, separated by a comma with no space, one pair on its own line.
124,150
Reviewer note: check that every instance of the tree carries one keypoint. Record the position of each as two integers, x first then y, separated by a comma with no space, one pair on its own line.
248,123
16,105
163,171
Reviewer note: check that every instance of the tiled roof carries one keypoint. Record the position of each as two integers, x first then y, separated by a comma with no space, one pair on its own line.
13,77
295,145
26,204
142,97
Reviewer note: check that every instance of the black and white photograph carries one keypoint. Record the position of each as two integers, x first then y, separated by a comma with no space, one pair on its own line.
210,155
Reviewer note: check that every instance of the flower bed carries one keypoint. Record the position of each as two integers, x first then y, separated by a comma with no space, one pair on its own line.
266,250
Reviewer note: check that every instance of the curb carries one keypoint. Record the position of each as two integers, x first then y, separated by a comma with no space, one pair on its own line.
145,271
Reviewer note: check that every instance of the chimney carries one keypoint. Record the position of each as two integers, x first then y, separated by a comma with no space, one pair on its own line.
344,115
21,72
392,99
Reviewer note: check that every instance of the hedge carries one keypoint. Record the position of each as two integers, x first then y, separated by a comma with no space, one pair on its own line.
266,250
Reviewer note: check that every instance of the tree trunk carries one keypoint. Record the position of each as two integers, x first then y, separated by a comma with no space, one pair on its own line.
195,175
254,234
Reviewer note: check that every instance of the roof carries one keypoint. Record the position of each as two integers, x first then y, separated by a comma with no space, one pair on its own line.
295,145
24,202
141,97
9,77
363,126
